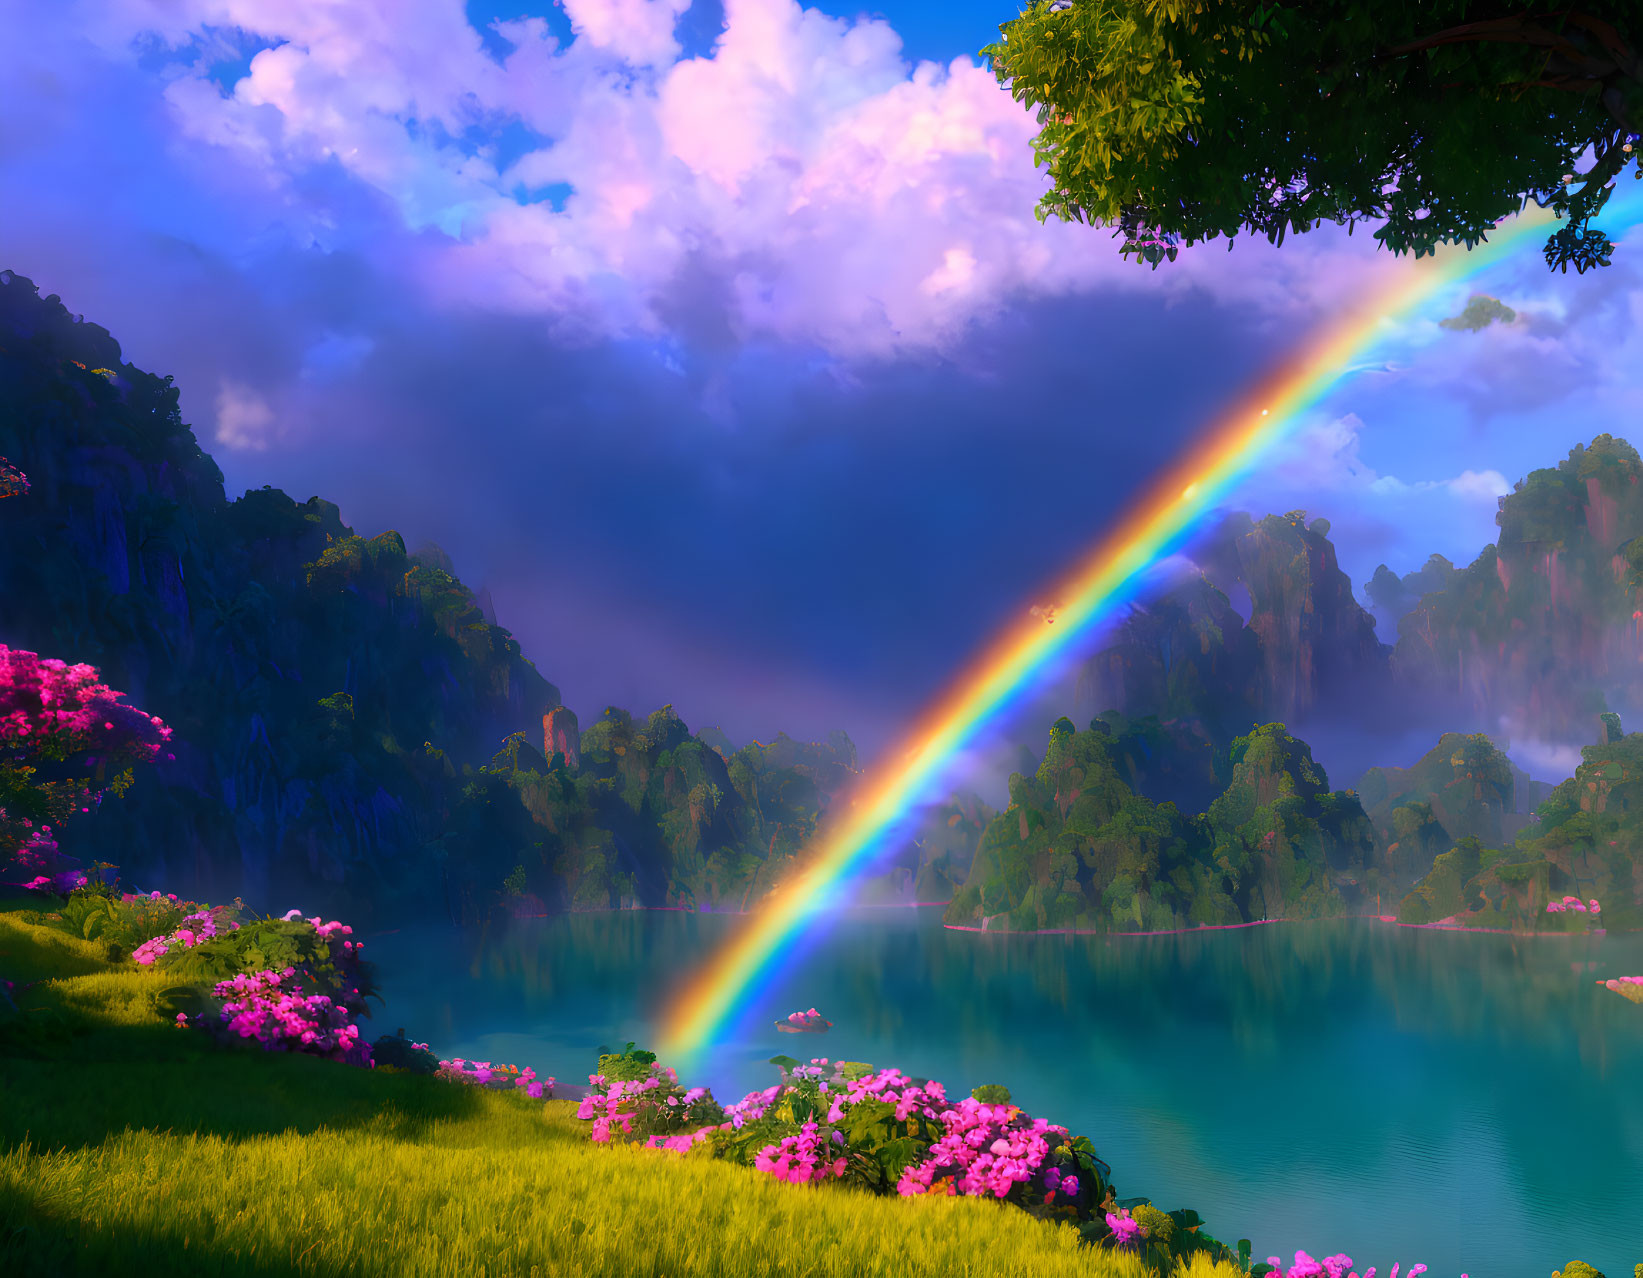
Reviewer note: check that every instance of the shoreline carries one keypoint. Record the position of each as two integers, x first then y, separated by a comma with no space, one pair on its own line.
1443,925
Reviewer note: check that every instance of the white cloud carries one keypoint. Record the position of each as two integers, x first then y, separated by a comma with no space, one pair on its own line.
1325,457
847,200
244,419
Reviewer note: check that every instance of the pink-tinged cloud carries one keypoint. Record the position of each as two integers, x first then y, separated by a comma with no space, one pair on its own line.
640,32
837,196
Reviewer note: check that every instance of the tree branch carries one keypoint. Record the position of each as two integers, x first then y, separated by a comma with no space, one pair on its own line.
1517,31
1576,70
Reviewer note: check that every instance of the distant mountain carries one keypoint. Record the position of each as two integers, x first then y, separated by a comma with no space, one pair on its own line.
1536,638
1302,647
1543,631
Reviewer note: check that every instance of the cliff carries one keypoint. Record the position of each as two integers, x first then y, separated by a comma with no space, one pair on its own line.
1543,631
1303,646
337,702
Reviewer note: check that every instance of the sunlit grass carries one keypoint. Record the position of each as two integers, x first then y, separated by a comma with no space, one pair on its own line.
128,1146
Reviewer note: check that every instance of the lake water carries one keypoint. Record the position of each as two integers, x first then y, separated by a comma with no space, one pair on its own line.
1471,1101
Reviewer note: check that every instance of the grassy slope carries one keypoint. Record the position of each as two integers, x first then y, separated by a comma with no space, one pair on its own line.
130,1146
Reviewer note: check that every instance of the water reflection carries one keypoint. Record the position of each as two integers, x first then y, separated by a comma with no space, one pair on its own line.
1322,1085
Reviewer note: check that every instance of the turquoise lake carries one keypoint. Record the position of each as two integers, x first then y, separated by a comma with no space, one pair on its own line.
1472,1101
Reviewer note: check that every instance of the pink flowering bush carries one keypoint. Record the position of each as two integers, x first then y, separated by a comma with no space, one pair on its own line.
633,1098
1630,987
269,1008
484,1074
65,740
13,482
880,1129
1337,1266
195,929
1572,914
807,1158
324,957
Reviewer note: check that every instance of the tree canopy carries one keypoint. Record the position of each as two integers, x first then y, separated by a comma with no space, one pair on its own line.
1177,121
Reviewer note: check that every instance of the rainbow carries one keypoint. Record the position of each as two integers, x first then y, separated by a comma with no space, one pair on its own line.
1156,525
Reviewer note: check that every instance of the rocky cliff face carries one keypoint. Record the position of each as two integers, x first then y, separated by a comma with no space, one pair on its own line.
337,702
302,667
560,735
1189,656
1543,632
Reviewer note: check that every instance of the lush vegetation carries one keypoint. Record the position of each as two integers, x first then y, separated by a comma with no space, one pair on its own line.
1586,847
1078,848
1178,123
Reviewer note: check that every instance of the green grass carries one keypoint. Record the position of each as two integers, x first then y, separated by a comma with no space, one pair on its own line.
129,1146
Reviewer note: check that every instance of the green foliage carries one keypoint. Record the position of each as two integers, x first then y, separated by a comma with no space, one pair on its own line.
1078,848
881,1145
96,913
269,943
394,1051
1178,123
630,1065
991,1094
850,1071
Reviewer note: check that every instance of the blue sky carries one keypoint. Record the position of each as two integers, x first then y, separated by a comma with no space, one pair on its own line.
719,342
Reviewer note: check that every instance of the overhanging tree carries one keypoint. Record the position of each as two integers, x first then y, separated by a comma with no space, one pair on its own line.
1177,121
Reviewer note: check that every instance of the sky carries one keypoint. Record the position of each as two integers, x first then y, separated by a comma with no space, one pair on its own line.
718,341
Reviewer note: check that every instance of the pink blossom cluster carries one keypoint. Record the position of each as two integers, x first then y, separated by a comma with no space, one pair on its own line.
1126,1229
1338,1266
57,714
257,1007
483,1072
326,930
1573,903
681,1142
985,1150
62,881
39,846
13,482
895,1088
49,702
819,1067
753,1106
1615,981
616,1104
185,937
805,1020
805,1159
